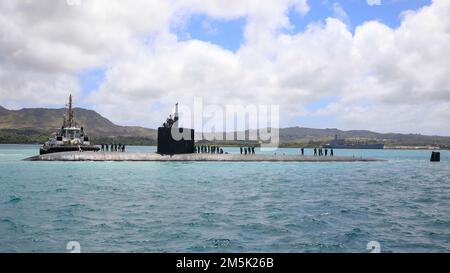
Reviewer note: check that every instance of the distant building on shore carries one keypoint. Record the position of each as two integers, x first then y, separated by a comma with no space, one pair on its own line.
340,143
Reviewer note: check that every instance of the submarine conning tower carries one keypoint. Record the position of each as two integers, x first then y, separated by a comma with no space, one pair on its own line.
174,140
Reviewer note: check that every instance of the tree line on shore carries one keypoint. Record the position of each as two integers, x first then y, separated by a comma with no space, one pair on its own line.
23,136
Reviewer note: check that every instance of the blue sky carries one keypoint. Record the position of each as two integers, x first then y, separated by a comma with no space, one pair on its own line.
133,62
229,34
225,33
358,11
90,80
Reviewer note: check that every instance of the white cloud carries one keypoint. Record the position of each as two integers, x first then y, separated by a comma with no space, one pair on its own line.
385,79
302,7
45,44
374,2
340,13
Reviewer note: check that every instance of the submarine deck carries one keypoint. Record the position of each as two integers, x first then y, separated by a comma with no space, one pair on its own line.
118,156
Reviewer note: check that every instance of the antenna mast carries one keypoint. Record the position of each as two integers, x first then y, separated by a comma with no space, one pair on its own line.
70,112
175,117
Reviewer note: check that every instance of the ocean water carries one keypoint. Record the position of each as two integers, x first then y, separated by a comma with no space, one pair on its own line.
402,203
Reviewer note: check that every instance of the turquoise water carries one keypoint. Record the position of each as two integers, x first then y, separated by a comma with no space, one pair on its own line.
403,203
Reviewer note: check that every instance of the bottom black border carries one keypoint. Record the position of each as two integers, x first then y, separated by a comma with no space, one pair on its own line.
236,262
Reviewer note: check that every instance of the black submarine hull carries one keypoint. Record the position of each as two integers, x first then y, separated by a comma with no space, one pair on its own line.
169,146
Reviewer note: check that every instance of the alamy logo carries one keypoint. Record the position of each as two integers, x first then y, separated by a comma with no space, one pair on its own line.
257,123
374,247
73,247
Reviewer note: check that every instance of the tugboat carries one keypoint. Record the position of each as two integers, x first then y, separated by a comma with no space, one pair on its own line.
69,138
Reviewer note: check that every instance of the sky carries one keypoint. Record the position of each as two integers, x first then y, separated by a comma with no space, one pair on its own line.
379,65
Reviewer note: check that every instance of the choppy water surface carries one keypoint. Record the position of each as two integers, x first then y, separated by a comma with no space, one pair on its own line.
403,203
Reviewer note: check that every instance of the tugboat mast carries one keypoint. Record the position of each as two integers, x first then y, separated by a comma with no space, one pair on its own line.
70,112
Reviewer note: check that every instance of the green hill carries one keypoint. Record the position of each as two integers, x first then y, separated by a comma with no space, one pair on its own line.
35,125
31,125
296,135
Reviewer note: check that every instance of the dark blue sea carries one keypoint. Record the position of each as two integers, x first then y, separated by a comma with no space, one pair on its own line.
402,203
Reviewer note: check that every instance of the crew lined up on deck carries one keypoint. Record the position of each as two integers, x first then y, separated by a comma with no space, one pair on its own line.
247,150
207,149
320,152
113,147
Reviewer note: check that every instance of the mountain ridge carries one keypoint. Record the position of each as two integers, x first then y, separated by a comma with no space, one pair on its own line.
31,125
49,120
